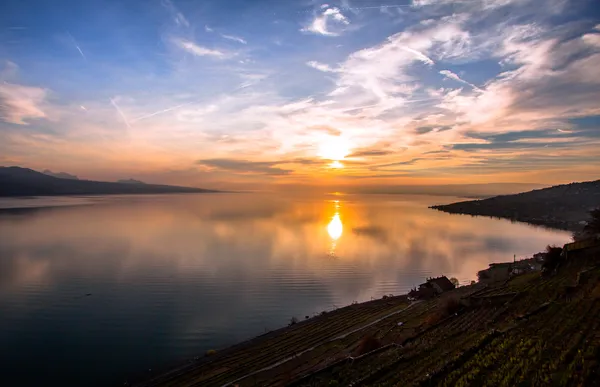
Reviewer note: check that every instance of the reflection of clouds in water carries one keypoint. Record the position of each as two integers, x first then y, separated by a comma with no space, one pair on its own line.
172,270
173,277
186,236
376,232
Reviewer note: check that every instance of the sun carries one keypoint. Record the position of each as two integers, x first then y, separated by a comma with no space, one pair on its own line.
334,148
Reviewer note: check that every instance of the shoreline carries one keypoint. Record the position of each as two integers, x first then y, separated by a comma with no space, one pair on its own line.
550,225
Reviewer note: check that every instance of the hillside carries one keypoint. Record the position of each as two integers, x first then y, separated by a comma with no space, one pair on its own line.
562,206
16,181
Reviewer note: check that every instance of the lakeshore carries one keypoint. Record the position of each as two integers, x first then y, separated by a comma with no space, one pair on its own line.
529,327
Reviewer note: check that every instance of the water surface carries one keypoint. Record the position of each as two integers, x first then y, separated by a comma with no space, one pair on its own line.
94,293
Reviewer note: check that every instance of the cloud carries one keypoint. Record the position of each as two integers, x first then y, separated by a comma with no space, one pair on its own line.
197,50
197,114
398,163
77,46
592,39
20,103
113,101
325,129
8,70
234,38
323,22
178,17
321,67
208,29
378,233
370,153
245,166
449,74
382,74
422,57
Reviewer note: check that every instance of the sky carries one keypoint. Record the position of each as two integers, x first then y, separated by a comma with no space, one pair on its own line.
339,94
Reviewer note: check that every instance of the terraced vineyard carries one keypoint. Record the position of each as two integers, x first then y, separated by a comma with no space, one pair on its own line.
528,331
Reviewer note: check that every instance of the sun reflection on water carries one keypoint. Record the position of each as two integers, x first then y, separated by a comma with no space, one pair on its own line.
335,227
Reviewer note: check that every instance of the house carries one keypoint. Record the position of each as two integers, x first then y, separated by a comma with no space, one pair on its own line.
526,266
583,244
441,284
495,273
432,288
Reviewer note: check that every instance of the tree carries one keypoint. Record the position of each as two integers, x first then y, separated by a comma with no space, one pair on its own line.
454,282
483,275
591,228
593,225
552,259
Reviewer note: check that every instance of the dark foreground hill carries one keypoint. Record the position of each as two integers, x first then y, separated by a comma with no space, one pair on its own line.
16,181
562,206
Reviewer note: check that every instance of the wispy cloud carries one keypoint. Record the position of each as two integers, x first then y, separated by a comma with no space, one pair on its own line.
8,70
323,22
20,103
197,50
77,46
116,106
178,17
420,56
449,74
245,166
162,111
234,38
321,67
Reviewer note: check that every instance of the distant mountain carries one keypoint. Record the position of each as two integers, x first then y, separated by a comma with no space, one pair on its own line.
16,181
564,206
130,181
60,175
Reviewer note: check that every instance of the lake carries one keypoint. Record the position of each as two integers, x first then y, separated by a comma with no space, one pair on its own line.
97,290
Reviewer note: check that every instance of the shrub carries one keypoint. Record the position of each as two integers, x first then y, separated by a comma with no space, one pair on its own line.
211,352
445,308
450,305
552,259
367,344
483,275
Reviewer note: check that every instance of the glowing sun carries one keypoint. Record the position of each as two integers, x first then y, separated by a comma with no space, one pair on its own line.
334,148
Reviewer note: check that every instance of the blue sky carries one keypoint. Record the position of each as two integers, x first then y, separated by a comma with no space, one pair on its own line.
248,93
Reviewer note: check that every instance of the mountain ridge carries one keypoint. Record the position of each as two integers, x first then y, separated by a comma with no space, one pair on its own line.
18,181
564,206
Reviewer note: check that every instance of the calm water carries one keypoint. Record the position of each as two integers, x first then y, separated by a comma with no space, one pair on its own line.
110,287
